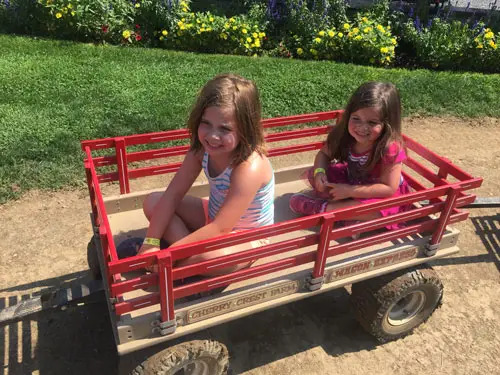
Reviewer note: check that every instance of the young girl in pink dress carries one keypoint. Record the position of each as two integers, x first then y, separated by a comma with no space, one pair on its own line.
362,157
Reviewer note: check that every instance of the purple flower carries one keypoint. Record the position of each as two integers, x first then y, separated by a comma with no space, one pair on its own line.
410,13
417,24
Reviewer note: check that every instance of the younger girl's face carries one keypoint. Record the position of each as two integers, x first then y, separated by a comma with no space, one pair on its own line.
365,125
217,131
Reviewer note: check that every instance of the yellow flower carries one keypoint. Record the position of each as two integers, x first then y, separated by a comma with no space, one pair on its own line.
164,32
262,35
235,27
65,10
179,23
185,9
321,33
231,19
249,40
211,19
317,40
331,34
347,26
480,45
161,38
313,51
126,34
202,29
366,30
492,44
70,6
364,19
357,37
381,28
489,35
223,36
244,31
257,43
137,5
73,12
340,35
393,41
255,35
247,46
384,50
355,30
208,29
300,51
58,15
387,58
183,27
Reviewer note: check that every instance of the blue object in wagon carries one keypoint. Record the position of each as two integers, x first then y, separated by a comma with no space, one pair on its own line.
129,247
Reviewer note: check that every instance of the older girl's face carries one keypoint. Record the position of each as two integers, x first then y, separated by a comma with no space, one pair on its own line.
365,126
218,131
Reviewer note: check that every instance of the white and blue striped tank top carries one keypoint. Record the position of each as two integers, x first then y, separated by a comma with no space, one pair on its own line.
261,209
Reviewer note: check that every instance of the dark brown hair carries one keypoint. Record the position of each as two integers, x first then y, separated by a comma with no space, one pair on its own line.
240,94
379,95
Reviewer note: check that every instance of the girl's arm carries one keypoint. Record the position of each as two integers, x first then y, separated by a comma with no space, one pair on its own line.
246,179
176,190
322,160
389,183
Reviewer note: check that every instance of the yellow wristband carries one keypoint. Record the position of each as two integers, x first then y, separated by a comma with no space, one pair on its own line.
318,170
152,241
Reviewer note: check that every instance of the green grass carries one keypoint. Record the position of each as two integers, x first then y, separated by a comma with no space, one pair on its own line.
54,94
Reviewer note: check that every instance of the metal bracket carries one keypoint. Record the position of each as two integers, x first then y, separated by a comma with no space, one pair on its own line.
164,328
315,284
431,249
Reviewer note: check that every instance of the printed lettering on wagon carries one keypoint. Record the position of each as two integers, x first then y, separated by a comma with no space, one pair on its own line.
342,272
240,302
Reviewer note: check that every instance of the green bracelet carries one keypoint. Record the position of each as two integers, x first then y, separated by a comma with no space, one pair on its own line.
319,170
152,241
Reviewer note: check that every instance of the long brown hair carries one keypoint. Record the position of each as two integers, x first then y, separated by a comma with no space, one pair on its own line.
241,95
385,98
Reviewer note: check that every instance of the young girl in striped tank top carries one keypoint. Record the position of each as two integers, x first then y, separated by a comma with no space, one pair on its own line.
227,143
362,157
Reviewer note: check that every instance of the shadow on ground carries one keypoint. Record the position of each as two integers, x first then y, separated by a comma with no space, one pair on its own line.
487,228
79,340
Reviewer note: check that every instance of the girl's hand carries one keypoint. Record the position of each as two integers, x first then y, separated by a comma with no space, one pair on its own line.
340,191
145,248
320,182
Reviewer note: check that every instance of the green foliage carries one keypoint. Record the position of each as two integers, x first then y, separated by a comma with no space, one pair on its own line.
453,45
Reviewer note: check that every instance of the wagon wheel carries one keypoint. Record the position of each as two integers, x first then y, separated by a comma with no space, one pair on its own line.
391,306
93,260
198,357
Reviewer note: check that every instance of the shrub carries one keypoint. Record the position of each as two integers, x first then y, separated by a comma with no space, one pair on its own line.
364,42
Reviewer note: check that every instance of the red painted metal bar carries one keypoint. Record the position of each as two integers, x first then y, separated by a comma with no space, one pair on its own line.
137,303
102,208
436,159
93,204
141,282
324,242
166,286
445,214
297,134
288,150
122,165
423,227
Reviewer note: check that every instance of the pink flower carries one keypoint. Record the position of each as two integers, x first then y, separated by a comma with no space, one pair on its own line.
138,37
104,28
137,26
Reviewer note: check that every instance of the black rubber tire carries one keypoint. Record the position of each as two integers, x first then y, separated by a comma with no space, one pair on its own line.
93,260
373,300
211,357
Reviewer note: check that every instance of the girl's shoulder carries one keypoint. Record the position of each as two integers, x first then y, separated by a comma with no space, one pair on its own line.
256,166
394,153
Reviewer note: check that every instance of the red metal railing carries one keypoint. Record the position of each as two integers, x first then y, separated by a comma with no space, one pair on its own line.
445,197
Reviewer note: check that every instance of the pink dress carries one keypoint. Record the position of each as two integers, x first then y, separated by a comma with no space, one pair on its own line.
349,172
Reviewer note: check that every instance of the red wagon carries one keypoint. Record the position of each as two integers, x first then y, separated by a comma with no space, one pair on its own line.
303,256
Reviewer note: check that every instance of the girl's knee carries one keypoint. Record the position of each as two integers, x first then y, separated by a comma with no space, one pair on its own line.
149,204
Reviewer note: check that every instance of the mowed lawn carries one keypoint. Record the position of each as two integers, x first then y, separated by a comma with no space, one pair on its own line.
56,93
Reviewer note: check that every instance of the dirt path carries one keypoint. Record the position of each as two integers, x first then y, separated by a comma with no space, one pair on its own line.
44,237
